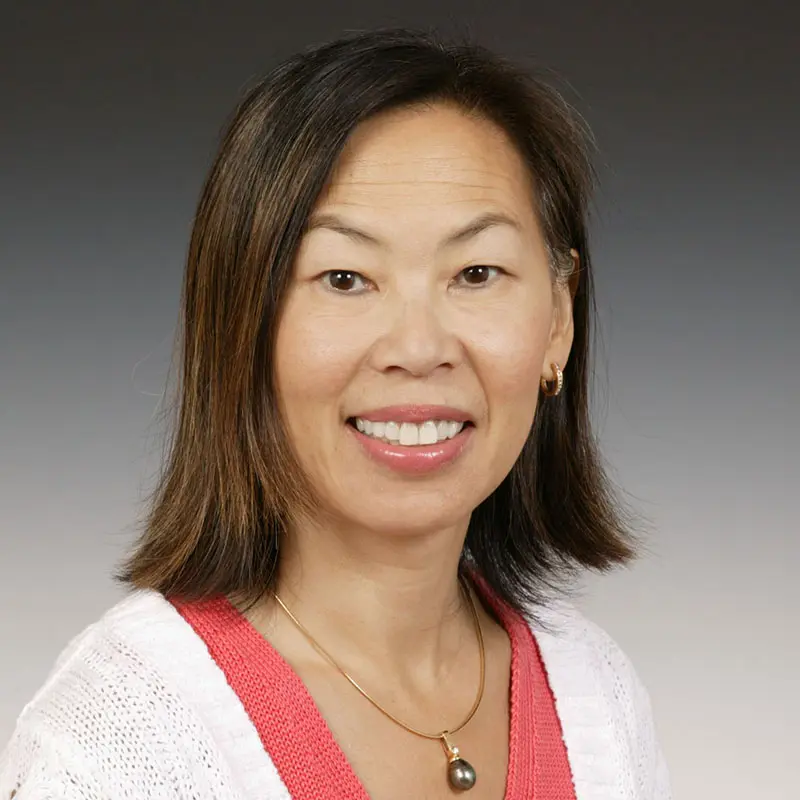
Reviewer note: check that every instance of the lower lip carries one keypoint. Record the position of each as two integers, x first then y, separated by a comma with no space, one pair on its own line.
417,459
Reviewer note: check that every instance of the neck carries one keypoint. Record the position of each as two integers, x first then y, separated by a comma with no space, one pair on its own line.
379,602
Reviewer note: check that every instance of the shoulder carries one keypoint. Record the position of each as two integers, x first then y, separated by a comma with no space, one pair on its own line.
567,636
103,654
583,661
135,694
112,652
604,708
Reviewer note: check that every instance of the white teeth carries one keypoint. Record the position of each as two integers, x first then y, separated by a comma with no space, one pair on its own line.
428,433
378,430
409,434
392,432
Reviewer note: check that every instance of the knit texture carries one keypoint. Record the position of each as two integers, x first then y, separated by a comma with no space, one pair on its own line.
538,764
136,707
302,747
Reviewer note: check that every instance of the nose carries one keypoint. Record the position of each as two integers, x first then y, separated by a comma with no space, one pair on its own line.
419,337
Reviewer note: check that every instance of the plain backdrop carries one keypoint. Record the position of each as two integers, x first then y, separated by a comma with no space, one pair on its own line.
109,115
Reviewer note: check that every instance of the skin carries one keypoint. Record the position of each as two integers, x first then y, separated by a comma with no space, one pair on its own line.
411,327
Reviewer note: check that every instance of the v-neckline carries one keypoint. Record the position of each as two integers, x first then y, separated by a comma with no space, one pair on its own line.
297,737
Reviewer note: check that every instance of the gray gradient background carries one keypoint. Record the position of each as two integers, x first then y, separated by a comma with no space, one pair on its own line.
109,114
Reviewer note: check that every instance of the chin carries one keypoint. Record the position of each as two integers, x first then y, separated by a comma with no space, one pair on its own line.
408,519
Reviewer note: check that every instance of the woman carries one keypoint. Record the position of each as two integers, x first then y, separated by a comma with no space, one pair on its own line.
382,476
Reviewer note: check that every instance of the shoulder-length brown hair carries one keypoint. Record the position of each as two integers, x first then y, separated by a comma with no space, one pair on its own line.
231,481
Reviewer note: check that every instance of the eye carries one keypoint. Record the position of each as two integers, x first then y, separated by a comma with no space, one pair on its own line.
479,275
344,281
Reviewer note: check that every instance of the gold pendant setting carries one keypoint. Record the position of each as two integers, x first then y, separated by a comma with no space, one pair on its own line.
460,772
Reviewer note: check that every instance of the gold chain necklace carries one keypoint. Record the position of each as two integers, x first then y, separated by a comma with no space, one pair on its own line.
460,772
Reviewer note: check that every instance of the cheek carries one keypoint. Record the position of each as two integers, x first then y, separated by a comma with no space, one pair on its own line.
507,355
313,361
511,353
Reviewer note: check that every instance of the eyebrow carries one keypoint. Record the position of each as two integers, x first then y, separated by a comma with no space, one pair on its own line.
481,223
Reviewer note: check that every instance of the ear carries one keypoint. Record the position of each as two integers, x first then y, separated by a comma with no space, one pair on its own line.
562,327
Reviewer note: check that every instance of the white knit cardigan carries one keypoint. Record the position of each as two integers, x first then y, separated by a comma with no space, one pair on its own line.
135,707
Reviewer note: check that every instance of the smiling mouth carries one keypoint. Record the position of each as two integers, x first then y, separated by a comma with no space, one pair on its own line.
409,434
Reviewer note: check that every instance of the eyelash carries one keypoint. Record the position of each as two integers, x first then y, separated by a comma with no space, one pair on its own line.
496,272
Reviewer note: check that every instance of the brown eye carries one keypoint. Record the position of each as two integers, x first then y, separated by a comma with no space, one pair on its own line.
478,275
344,280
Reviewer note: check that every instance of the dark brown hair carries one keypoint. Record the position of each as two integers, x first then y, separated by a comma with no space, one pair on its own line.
231,481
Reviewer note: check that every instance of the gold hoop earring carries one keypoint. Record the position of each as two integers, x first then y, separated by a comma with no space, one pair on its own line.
557,382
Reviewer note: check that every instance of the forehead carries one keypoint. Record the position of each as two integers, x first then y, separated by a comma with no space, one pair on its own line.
423,156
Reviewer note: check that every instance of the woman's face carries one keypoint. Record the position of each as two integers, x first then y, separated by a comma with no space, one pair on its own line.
421,318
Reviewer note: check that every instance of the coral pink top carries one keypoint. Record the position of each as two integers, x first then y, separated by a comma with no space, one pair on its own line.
302,747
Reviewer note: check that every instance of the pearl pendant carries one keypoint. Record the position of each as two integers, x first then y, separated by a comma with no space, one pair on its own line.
460,772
